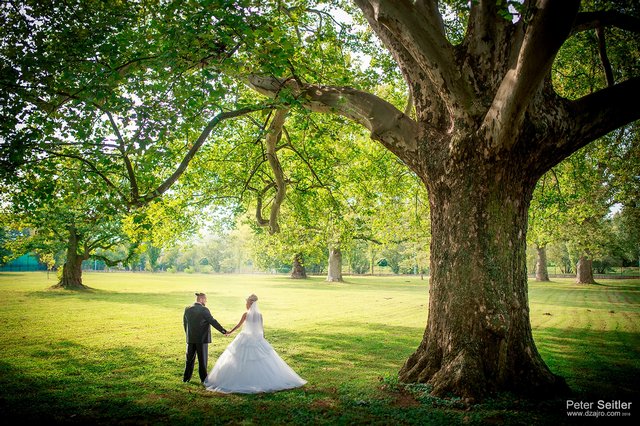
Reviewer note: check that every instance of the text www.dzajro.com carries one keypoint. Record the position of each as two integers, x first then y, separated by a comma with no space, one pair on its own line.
589,413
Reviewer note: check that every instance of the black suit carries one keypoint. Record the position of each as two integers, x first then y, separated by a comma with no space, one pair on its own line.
197,326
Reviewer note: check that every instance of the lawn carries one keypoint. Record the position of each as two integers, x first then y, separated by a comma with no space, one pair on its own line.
115,354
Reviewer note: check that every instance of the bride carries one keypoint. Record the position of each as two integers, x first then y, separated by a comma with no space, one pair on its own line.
250,364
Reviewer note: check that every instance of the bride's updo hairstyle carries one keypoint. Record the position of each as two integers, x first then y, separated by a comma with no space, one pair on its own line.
252,298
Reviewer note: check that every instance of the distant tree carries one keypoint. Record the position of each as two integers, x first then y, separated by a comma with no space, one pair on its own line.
358,257
62,212
547,214
627,228
152,256
295,247
5,238
559,254
49,260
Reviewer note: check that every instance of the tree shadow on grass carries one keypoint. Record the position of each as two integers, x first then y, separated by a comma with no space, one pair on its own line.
596,364
79,385
322,285
368,346
605,296
174,299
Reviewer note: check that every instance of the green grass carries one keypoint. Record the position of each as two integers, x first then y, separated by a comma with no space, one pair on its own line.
115,354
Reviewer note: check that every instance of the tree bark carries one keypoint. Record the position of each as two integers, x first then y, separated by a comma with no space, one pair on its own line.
542,273
478,267
335,265
72,270
298,271
584,271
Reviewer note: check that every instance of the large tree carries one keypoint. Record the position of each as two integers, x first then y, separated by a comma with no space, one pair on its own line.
88,86
488,124
59,211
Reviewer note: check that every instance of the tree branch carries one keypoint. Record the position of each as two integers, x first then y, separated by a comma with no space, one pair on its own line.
273,136
135,195
490,40
135,64
261,221
365,238
557,181
590,20
254,170
421,33
164,186
549,28
429,105
309,166
602,50
92,167
599,113
313,172
111,262
409,107
105,242
387,124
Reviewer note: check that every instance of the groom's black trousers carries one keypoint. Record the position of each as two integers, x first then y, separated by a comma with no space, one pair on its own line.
202,351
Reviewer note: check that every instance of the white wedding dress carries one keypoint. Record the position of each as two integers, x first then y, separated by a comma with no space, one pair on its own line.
250,364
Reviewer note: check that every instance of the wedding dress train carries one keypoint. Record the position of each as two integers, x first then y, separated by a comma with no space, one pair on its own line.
250,364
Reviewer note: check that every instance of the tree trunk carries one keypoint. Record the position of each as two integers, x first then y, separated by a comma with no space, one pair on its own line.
542,273
478,337
72,269
298,271
373,255
584,271
335,265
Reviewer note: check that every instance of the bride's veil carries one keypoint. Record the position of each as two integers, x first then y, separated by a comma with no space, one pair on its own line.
253,323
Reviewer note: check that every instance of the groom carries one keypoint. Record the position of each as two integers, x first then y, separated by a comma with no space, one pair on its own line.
197,325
